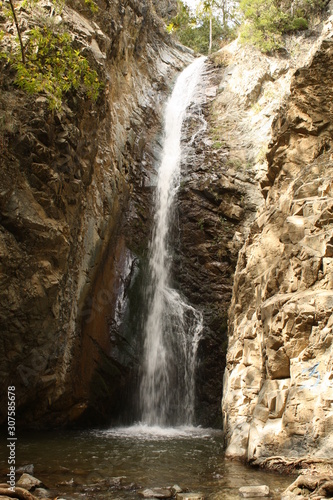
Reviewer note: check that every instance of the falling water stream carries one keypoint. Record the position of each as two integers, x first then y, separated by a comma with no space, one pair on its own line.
164,448
173,327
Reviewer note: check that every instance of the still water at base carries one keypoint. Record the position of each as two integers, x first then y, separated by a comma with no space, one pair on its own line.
117,463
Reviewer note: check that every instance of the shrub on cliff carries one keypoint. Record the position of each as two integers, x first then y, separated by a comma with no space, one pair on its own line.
53,66
266,21
47,61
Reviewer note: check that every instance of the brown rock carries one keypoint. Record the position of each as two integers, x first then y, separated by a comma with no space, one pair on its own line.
28,482
75,197
282,274
155,493
278,363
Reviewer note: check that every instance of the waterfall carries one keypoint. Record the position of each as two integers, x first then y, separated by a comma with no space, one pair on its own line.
173,327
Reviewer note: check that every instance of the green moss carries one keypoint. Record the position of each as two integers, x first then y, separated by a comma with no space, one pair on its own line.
220,59
235,163
256,108
201,224
218,144
261,156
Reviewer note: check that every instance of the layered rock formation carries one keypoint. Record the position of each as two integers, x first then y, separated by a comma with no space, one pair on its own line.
224,161
215,206
278,388
66,204
75,202
165,8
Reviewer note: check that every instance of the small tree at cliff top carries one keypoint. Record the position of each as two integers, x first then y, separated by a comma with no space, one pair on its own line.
204,30
265,21
49,63
54,67
264,24
216,9
13,12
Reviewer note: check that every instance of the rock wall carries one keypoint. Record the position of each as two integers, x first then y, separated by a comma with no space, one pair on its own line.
278,387
225,141
75,202
215,206
165,8
74,183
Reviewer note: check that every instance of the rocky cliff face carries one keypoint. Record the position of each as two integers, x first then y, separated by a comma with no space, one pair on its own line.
165,8
278,387
74,183
75,201
224,162
215,206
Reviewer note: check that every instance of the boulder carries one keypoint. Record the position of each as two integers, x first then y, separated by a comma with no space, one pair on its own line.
190,496
314,485
28,482
29,469
254,491
176,489
42,493
155,493
20,493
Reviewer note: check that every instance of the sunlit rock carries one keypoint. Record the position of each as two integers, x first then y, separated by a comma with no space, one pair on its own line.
155,493
281,312
254,491
28,482
190,496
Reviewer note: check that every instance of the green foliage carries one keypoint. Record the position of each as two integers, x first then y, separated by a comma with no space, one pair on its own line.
92,5
48,62
2,34
54,67
58,5
265,24
8,12
308,8
299,23
28,4
261,156
198,38
193,30
266,21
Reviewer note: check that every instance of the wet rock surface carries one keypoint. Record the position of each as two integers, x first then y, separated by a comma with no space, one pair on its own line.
73,183
218,199
155,493
190,496
26,488
28,482
278,381
254,491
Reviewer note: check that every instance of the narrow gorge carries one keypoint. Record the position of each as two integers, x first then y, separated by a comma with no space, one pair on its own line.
166,260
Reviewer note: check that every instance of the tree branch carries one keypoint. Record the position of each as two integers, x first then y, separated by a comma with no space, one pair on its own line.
18,30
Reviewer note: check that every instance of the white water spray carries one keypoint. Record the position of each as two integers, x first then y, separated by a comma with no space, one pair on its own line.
173,328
